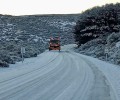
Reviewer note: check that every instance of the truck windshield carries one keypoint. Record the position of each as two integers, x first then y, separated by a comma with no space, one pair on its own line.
54,41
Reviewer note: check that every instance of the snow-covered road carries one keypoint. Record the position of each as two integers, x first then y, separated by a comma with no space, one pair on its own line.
56,76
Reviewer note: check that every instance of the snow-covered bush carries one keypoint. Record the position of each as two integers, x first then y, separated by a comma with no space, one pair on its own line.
113,38
3,64
7,58
96,48
93,48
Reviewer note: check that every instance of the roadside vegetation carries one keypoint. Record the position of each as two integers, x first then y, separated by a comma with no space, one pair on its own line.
98,29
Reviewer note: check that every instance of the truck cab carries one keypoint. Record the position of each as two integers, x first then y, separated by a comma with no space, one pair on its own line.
54,44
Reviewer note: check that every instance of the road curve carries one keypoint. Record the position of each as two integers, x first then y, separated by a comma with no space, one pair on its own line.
53,76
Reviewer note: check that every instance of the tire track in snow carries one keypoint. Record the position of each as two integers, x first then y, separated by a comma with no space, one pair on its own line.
100,90
22,75
82,92
25,85
66,78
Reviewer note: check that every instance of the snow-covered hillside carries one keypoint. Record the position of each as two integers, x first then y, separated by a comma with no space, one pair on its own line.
98,31
32,32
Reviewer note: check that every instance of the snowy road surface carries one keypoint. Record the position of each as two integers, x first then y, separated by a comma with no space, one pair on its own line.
60,76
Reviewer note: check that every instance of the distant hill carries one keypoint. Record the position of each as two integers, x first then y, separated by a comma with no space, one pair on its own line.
98,29
32,32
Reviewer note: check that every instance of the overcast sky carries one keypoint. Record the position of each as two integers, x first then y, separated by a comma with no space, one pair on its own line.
30,7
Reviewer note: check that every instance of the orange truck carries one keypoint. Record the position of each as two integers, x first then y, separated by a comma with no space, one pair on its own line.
54,44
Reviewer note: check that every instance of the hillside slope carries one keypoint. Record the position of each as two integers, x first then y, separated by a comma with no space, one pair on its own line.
98,31
32,32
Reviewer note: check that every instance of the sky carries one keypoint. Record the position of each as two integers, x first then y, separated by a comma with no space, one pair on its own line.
30,7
